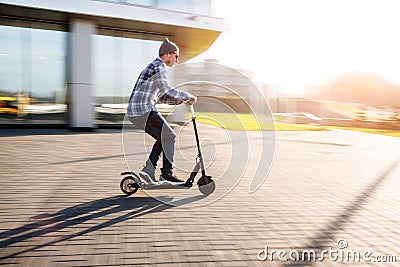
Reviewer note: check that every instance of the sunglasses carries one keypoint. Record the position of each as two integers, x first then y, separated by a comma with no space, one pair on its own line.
176,55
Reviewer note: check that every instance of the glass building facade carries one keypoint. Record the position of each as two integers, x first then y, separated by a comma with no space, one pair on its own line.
32,72
200,7
50,60
115,72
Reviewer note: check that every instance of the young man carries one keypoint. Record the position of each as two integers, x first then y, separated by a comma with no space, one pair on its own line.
151,87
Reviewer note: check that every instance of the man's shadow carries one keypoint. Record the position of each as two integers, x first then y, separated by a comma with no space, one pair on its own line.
128,207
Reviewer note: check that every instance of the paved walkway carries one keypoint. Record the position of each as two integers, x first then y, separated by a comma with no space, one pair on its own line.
332,190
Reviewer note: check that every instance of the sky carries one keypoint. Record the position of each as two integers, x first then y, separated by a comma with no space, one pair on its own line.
292,44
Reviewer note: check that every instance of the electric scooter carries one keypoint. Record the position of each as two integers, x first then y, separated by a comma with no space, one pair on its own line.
132,182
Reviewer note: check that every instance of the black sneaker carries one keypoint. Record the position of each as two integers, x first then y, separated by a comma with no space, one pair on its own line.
148,176
172,179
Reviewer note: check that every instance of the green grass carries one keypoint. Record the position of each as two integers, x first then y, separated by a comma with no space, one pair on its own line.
237,122
298,127
248,122
392,133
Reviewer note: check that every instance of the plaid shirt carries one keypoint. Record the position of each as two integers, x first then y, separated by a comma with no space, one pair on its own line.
152,86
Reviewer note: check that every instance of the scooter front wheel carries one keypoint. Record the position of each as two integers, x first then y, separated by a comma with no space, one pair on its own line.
206,185
128,185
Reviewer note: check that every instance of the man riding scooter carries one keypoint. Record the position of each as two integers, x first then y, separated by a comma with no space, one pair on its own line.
151,87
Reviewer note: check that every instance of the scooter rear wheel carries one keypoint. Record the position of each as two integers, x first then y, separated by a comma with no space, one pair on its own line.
206,185
128,185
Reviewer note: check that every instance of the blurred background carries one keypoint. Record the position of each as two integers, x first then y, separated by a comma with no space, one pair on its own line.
324,62
74,63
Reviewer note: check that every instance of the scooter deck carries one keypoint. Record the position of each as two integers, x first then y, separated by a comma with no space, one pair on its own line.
156,185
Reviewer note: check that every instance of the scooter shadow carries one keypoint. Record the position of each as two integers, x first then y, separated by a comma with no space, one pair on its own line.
117,209
181,202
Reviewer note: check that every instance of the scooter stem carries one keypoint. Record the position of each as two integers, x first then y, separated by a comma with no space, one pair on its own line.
192,110
203,172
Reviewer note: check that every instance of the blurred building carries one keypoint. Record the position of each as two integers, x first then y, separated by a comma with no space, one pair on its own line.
74,62
234,89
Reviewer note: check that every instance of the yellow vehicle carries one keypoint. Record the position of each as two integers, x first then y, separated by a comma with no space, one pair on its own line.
13,105
8,105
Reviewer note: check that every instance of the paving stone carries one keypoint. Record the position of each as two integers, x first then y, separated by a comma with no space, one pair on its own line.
61,204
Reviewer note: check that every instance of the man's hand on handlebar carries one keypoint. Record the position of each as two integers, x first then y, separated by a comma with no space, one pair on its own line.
191,101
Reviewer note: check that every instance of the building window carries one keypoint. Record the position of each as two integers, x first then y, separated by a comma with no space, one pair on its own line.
200,7
138,2
32,74
117,62
131,2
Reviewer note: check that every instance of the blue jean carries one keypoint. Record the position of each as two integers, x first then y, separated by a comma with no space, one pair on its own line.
157,127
